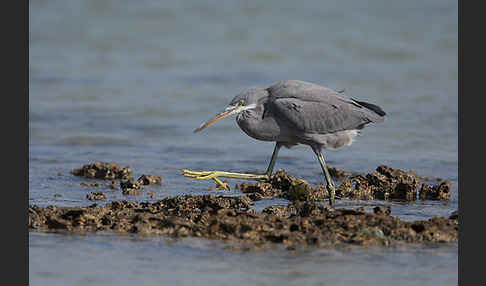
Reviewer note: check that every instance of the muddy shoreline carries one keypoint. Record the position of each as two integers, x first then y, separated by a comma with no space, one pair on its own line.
307,220
299,224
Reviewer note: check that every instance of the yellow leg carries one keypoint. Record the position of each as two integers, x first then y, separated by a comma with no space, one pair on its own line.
221,184
206,175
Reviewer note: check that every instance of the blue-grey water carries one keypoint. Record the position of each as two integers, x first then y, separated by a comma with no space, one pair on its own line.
128,81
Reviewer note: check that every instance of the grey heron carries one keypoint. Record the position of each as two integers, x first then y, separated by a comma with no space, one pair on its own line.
292,112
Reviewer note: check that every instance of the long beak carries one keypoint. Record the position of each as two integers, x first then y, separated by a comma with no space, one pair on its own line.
229,111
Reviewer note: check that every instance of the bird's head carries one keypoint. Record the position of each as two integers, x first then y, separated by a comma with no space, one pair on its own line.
249,98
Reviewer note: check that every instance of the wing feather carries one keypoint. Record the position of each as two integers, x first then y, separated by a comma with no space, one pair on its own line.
311,108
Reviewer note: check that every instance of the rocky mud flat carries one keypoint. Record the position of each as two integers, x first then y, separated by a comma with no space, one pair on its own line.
304,222
112,171
384,184
232,219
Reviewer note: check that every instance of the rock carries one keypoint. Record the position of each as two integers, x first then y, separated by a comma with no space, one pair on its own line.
283,185
338,173
384,184
385,210
89,185
299,190
262,189
437,192
454,215
150,179
103,170
356,188
96,196
131,187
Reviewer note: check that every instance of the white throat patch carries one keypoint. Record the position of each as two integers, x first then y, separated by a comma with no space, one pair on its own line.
243,108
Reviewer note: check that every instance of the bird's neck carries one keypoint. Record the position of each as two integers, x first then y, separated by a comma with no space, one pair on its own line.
256,125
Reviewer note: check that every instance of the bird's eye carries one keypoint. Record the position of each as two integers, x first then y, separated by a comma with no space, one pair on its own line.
241,102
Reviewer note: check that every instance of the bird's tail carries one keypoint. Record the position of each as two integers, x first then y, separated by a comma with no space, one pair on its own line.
375,108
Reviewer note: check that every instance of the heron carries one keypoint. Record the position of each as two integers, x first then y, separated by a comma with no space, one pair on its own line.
292,112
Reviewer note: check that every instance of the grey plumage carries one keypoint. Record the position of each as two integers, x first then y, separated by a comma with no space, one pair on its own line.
292,112
297,112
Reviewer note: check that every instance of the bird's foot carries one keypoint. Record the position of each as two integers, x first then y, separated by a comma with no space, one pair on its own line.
206,175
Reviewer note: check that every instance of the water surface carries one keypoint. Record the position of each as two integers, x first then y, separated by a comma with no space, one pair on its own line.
128,82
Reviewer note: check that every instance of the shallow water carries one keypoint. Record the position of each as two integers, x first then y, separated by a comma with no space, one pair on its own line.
127,260
129,83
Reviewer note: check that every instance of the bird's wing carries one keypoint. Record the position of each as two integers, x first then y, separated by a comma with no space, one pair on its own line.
311,108
307,91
